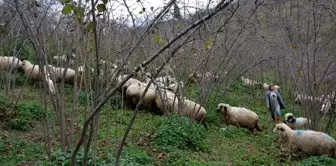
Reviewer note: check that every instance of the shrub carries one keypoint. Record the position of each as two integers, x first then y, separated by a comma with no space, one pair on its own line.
129,156
26,112
178,158
82,98
133,156
317,160
180,134
63,158
3,102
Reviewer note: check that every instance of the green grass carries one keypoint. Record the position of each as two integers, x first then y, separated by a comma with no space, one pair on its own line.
146,144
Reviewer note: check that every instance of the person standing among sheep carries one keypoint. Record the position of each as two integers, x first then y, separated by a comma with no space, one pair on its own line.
274,103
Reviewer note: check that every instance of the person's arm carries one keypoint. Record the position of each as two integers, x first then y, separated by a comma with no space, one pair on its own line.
280,99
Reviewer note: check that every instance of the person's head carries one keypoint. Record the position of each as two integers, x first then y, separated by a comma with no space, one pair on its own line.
271,87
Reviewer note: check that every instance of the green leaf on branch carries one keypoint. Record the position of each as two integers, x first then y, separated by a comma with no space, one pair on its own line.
104,1
101,7
156,39
67,9
79,13
140,12
208,44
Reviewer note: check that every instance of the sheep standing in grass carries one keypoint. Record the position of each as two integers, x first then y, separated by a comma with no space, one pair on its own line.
134,92
58,73
65,58
296,123
250,83
33,72
10,63
239,117
307,141
193,110
127,83
167,101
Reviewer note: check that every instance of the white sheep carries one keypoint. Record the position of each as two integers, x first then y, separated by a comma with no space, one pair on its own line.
168,101
307,141
299,98
65,58
239,117
250,83
134,92
10,63
58,73
296,123
50,83
33,72
127,83
193,110
266,86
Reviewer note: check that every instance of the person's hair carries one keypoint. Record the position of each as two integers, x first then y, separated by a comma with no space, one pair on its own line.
269,87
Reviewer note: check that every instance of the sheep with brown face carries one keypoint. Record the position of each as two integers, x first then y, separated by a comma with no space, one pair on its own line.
239,117
307,141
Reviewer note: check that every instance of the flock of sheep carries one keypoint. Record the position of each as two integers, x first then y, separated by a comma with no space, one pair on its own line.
162,97
292,132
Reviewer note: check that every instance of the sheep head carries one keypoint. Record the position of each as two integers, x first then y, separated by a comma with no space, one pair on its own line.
223,108
26,63
290,118
281,128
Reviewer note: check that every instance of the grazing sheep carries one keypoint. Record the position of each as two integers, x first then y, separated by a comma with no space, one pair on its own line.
168,102
65,58
307,141
134,92
127,83
50,84
250,83
174,86
33,72
327,106
193,111
58,72
10,63
266,86
238,116
296,123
